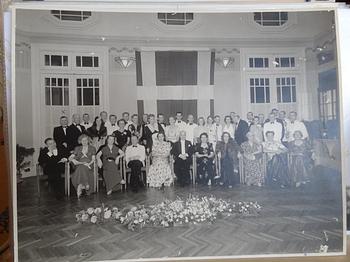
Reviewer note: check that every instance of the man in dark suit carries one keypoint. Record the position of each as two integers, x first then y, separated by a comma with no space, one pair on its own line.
74,131
242,129
60,136
182,152
52,162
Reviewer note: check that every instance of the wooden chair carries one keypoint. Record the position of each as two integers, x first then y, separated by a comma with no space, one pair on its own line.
40,176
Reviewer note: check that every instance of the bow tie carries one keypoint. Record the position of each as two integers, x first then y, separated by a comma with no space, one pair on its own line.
190,124
272,122
113,124
86,123
179,121
134,146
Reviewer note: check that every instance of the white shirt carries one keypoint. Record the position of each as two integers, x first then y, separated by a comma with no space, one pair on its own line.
190,131
86,125
53,153
64,130
276,127
218,131
181,124
229,129
183,147
111,128
138,151
77,126
296,126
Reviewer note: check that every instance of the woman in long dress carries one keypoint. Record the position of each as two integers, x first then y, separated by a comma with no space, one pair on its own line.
228,150
97,132
108,159
300,159
277,162
172,131
160,174
199,130
83,158
252,153
205,160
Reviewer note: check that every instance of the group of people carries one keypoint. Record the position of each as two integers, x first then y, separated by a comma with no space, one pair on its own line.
108,139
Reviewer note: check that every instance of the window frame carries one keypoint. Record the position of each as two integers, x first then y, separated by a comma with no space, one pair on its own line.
279,97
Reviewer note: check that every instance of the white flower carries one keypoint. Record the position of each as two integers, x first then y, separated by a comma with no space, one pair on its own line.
94,219
98,210
90,210
84,217
107,214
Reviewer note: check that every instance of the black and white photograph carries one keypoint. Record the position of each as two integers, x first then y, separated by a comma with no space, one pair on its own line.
174,135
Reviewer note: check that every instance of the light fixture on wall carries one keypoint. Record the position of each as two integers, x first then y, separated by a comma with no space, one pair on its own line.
225,61
124,61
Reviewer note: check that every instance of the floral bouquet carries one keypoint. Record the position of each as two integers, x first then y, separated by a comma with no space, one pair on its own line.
170,213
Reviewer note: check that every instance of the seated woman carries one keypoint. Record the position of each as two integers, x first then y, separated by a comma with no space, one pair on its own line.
277,165
300,160
52,161
205,157
172,131
110,155
83,158
97,132
252,154
227,150
122,135
159,174
199,130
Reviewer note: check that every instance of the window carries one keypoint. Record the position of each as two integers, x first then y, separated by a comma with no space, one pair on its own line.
175,18
284,62
87,61
286,89
328,105
56,60
75,16
56,91
258,62
88,91
271,18
259,90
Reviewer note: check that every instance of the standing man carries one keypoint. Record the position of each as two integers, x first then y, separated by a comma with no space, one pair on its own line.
161,120
104,116
274,126
295,125
179,123
250,118
74,131
111,125
218,127
126,117
241,131
60,136
182,152
135,156
190,126
134,127
86,121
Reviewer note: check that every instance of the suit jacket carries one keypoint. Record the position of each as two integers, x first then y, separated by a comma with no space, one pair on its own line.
60,137
147,135
176,150
241,131
73,134
50,164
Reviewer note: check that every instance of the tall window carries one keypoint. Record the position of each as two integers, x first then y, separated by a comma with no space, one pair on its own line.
286,89
271,18
88,91
56,91
175,18
56,60
259,90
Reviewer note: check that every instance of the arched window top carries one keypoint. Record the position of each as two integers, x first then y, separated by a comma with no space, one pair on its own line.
75,16
175,18
271,18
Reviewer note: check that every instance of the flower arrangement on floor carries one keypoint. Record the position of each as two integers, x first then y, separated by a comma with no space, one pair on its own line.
168,213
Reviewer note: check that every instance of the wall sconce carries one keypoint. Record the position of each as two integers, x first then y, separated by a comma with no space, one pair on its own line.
124,61
224,61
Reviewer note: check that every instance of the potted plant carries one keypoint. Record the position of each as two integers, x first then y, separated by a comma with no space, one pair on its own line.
22,165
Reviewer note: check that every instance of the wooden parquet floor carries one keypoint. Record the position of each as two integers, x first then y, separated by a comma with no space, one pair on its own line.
291,221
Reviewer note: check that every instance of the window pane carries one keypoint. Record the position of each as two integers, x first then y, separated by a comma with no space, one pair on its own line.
66,82
294,94
252,81
251,62
260,95
293,80
47,96
47,60
97,82
91,82
79,96
179,16
278,94
278,80
78,82
267,89
59,81
292,62
66,96
259,62
161,15
47,81
57,96
284,16
266,62
65,60
267,81
71,18
252,95
78,61
53,81
84,82
285,62
88,99
271,15
87,61
56,60
97,96
286,94
95,61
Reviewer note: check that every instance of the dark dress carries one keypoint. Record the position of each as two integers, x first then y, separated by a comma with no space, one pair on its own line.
300,161
205,165
229,162
82,174
122,138
111,173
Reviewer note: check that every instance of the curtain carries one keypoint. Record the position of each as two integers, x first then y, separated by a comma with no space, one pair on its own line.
170,107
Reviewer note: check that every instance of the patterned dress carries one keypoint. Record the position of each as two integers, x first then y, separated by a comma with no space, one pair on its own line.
160,171
82,174
252,167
